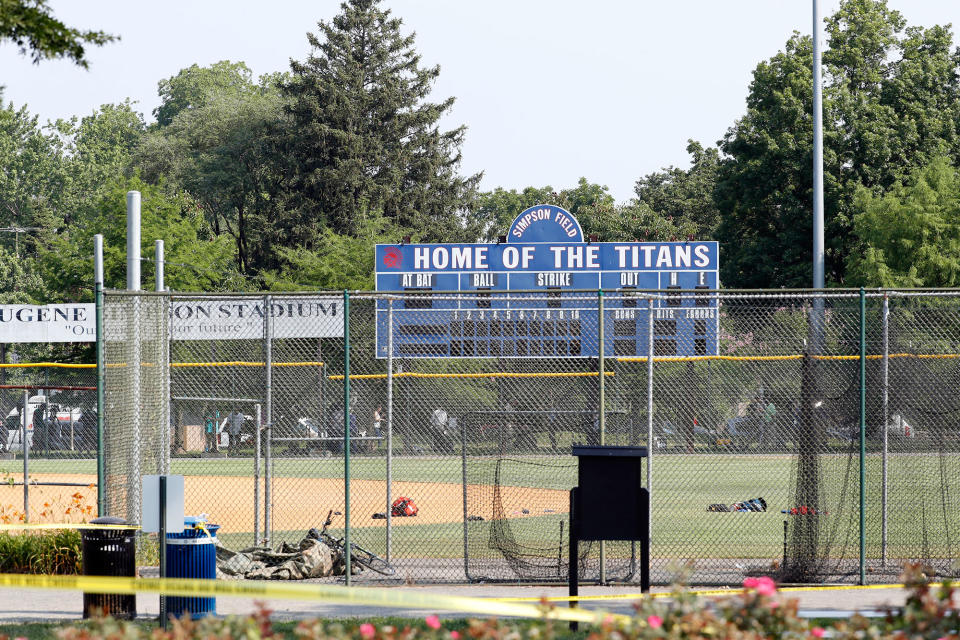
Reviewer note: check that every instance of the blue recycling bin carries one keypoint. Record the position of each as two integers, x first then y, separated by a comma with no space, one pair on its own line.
192,554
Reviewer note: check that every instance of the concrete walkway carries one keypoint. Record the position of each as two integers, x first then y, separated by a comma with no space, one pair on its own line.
35,605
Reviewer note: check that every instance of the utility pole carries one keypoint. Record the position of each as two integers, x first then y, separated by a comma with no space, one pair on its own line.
17,231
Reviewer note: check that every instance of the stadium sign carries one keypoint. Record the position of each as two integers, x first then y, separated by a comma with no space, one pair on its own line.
71,322
243,318
545,255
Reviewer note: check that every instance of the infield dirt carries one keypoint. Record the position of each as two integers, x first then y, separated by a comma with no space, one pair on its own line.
298,503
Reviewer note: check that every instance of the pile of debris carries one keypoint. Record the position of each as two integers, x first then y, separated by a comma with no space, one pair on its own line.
310,558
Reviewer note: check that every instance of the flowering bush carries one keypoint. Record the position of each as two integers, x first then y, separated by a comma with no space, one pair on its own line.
757,612
50,552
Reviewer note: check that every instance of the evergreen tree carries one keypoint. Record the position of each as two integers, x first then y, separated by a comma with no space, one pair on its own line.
365,138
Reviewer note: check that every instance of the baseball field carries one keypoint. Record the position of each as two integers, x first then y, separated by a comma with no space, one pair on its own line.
534,497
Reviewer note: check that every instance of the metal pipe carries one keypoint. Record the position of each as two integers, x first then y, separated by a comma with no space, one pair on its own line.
162,535
256,477
158,265
26,457
134,498
818,267
601,412
886,427
133,240
650,419
101,372
268,402
163,320
863,435
346,434
390,427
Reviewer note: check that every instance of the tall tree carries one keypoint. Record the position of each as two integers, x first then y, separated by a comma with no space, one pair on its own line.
194,86
592,205
99,149
365,137
891,104
911,235
686,195
30,25
197,260
32,180
217,139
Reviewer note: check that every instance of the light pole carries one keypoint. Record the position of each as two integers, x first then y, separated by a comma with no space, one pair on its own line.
818,279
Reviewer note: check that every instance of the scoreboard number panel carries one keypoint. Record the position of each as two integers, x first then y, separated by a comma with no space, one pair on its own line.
524,303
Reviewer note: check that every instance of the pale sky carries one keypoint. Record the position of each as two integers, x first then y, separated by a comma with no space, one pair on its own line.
550,90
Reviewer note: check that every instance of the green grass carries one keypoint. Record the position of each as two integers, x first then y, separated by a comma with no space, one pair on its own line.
684,485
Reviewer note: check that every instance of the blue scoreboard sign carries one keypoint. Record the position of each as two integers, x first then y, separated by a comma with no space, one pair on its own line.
525,301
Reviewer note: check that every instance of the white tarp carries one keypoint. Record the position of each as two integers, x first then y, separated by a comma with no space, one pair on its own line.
71,322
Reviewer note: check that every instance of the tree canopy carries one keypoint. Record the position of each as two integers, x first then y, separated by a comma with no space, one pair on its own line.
910,236
286,181
891,104
31,26
365,137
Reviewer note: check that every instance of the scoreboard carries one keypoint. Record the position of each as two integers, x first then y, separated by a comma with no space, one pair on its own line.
534,295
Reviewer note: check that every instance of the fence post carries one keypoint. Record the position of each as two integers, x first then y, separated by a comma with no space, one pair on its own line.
389,426
268,407
346,432
134,359
101,371
863,431
601,370
886,423
26,456
650,418
256,475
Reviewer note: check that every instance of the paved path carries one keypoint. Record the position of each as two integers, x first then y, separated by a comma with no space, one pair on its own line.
33,605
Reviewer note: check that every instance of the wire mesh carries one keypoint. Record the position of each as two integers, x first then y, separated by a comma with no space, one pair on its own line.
53,407
468,405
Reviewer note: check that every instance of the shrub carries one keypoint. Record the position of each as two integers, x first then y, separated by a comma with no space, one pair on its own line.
758,612
51,552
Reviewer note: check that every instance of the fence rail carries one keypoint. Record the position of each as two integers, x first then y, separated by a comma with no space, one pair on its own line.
830,406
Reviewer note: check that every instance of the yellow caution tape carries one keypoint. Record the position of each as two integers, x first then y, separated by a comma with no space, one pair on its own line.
63,525
312,592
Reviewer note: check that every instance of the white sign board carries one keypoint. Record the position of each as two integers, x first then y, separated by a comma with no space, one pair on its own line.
243,318
151,504
71,322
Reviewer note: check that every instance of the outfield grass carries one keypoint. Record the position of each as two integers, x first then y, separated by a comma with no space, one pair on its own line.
922,522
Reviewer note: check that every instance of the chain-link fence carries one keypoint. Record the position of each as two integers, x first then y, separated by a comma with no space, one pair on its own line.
52,407
468,405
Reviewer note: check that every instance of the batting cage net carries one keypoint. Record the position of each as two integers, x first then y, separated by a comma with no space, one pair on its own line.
466,407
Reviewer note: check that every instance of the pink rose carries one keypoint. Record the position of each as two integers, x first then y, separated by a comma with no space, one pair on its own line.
766,586
750,583
367,631
455,635
655,622
817,632
433,622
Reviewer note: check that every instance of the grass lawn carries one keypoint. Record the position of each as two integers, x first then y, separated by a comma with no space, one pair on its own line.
683,487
